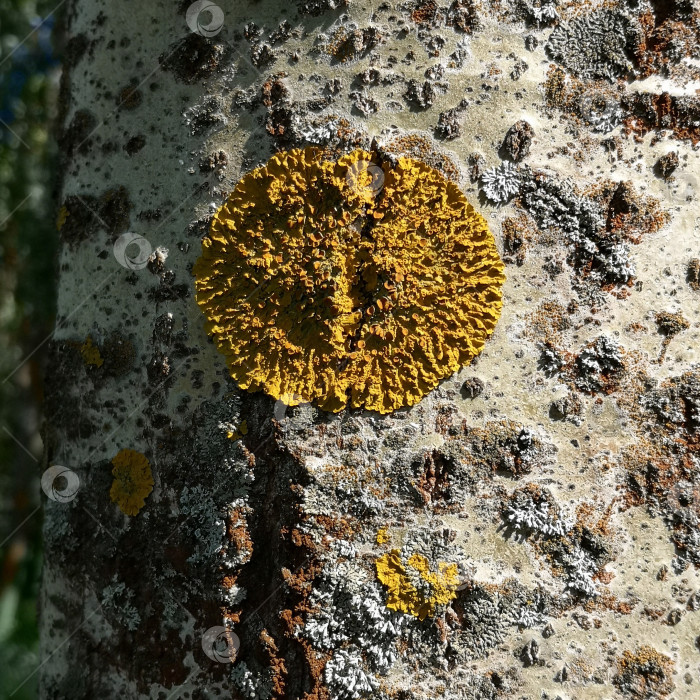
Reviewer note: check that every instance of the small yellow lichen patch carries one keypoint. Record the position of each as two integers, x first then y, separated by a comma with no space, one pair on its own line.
91,353
61,218
239,433
412,587
348,282
383,535
133,481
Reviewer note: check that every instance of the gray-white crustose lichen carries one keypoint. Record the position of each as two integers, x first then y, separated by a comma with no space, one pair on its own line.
118,604
528,516
253,686
611,263
480,618
554,204
602,113
345,677
677,402
597,363
550,361
352,614
595,45
532,514
501,183
569,407
460,55
580,569
542,12
533,614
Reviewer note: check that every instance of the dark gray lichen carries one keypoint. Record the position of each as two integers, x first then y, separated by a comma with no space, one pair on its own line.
594,46
448,126
193,58
517,142
666,165
555,204
599,365
420,95
473,387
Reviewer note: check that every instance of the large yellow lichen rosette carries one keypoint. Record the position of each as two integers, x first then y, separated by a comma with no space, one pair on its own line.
319,284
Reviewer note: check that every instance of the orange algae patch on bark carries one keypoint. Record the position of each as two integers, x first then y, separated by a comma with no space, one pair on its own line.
348,282
133,481
412,587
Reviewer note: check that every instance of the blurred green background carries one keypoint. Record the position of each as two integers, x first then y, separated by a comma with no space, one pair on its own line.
29,74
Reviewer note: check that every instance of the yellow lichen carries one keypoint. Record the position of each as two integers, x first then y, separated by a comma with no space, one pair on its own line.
91,353
61,218
133,481
338,282
383,535
412,587
239,432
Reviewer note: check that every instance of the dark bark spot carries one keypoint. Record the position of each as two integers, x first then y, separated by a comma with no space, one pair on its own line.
75,49
135,144
77,137
87,214
192,58
130,97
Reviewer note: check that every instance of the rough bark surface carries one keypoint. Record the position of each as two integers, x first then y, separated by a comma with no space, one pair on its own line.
530,528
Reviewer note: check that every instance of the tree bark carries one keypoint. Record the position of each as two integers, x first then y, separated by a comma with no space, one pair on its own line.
261,564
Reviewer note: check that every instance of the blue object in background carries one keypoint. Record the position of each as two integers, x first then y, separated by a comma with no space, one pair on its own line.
33,57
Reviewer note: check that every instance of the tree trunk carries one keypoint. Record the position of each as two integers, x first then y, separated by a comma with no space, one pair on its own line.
455,548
